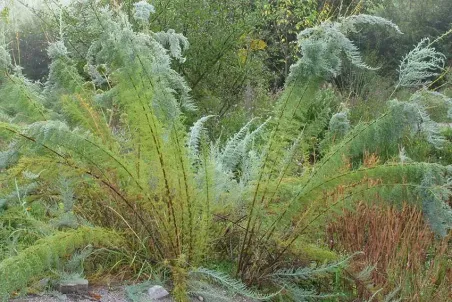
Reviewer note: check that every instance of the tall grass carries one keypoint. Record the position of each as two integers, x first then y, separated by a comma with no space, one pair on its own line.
401,248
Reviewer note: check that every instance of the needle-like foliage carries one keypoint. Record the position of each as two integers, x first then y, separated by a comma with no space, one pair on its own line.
107,144
44,255
421,65
322,47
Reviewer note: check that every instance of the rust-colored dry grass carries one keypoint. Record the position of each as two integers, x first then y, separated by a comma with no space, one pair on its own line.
401,247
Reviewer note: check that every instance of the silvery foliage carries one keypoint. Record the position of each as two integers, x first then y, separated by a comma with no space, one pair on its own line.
322,47
339,123
233,286
176,43
118,49
435,195
422,122
196,133
8,157
5,58
435,99
420,65
403,156
143,10
416,117
238,154
236,147
224,160
57,50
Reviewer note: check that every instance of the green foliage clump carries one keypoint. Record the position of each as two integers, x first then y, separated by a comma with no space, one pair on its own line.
17,271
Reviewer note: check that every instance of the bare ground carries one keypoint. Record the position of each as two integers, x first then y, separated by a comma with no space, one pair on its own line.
100,294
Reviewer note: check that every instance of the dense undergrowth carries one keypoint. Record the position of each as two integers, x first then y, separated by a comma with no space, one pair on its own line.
102,155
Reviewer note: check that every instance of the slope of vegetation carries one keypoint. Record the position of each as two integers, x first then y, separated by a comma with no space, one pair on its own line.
162,146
